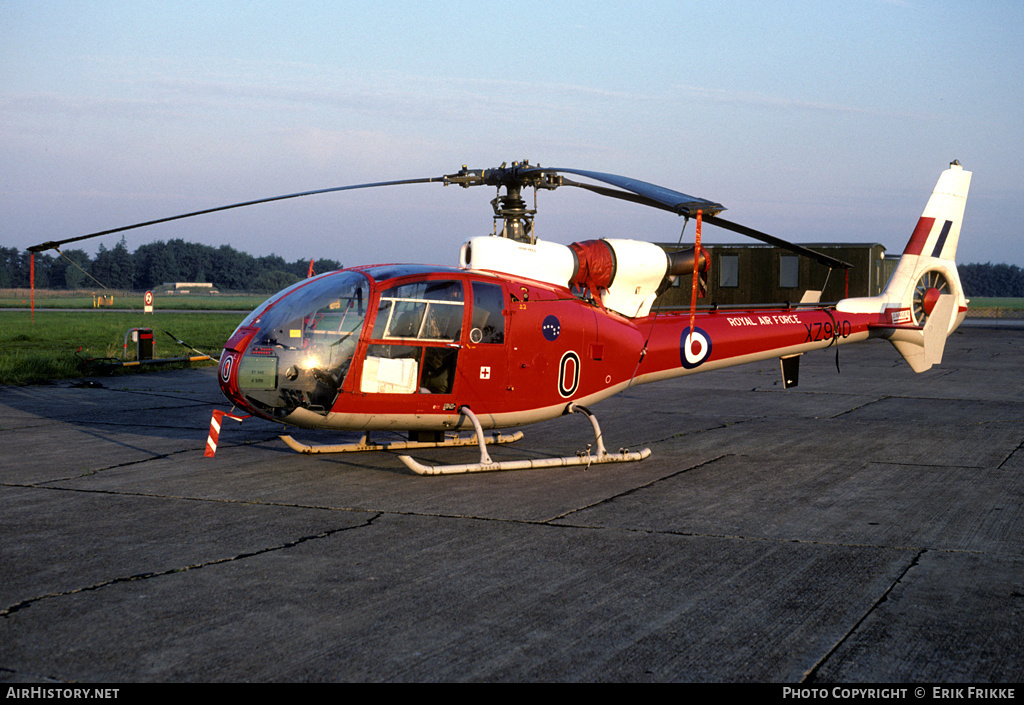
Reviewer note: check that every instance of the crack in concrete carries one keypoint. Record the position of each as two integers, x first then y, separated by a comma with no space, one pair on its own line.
153,456
709,429
548,522
1010,455
6,612
810,675
151,495
181,395
631,491
859,406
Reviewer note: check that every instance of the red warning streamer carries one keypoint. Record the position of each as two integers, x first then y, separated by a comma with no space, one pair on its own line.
211,440
214,437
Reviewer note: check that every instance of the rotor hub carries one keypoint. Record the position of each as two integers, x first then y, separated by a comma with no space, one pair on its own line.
930,298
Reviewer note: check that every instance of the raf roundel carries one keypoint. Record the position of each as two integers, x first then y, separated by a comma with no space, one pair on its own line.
551,328
694,349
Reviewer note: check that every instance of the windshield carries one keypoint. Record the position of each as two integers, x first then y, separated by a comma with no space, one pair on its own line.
306,338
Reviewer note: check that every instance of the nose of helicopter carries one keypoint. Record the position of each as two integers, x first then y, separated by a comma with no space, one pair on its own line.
230,359
293,352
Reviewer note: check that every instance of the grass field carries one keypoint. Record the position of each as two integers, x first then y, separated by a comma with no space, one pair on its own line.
997,302
991,307
46,348
86,298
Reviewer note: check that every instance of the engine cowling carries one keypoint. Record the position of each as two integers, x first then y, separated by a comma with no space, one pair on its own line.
625,276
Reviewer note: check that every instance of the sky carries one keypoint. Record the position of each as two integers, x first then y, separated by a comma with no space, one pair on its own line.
814,122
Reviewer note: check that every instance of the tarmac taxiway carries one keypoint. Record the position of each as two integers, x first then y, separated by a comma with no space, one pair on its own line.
865,526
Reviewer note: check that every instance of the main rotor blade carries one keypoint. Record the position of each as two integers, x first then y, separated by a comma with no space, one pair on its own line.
771,240
633,190
668,199
53,244
712,219
616,193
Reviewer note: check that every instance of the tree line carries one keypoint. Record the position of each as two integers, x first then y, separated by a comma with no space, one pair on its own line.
154,264
992,279
228,269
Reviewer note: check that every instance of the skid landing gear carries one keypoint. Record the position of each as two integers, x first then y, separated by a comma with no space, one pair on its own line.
487,465
365,444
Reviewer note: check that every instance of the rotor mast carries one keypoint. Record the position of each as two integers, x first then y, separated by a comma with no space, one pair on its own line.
517,219
510,208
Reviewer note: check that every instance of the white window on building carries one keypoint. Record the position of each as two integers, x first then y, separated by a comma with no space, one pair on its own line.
789,272
728,271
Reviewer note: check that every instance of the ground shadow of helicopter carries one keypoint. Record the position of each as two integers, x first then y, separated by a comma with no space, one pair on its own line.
524,330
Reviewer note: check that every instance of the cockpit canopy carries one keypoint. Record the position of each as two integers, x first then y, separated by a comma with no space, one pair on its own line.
297,349
302,343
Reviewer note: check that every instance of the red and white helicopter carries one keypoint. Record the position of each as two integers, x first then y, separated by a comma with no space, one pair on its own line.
524,330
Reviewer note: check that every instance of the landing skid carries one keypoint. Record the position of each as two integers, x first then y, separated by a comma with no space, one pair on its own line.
488,465
365,444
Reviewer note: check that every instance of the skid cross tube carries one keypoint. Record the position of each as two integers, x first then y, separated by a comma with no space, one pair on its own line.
488,465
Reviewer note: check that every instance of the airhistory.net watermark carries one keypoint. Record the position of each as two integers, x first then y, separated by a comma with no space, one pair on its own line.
61,693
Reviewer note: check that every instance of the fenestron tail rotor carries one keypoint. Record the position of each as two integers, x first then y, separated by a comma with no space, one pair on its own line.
931,285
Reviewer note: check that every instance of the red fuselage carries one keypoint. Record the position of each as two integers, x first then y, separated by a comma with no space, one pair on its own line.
402,347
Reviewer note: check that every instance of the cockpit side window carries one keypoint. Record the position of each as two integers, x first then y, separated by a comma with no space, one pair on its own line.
428,313
425,310
488,324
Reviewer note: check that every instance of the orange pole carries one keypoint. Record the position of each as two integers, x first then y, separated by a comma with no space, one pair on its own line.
696,275
32,284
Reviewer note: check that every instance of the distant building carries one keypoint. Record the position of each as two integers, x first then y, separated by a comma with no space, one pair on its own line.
754,273
187,288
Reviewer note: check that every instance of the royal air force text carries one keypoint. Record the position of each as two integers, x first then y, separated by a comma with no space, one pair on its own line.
819,330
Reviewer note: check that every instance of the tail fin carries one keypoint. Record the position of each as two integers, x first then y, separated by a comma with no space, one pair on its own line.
928,259
924,301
